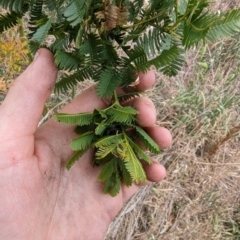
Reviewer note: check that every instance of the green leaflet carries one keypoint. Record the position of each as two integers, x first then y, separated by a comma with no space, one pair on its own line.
66,61
139,152
42,32
112,185
70,81
103,151
108,82
101,128
107,170
75,119
74,158
138,59
128,96
9,20
122,114
151,41
133,165
13,5
75,12
108,140
83,142
36,13
147,140
166,57
92,49
124,173
226,26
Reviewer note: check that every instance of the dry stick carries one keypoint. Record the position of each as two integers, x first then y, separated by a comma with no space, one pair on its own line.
213,149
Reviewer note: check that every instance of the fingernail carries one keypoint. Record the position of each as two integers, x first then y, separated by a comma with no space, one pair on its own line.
135,83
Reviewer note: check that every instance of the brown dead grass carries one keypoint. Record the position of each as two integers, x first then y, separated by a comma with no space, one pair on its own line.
200,198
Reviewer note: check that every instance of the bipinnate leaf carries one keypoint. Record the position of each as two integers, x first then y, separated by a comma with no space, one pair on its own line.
109,140
99,130
147,140
80,119
226,26
42,32
112,185
66,61
74,12
132,163
83,142
137,58
107,170
127,179
128,96
8,20
108,82
139,152
103,151
74,158
166,57
121,114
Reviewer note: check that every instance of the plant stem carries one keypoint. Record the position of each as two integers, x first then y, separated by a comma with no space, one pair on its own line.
79,37
116,97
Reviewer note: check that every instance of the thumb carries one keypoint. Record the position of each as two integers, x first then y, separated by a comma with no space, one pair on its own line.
22,108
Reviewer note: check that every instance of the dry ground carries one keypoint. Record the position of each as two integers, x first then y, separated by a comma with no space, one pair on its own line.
200,198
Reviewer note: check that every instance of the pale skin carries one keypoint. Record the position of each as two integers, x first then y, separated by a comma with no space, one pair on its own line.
39,198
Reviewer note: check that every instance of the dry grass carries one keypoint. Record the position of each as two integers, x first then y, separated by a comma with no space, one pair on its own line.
200,198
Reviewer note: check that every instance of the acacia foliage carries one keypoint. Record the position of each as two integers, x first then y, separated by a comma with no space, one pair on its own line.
109,41
106,39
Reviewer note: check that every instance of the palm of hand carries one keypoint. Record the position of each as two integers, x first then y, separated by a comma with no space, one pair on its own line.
39,198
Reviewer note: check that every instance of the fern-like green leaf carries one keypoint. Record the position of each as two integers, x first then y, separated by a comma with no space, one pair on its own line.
132,163
108,140
139,152
127,179
174,66
8,20
70,81
151,41
103,151
108,82
92,48
75,119
226,26
122,114
147,140
137,58
107,170
85,128
196,30
66,61
112,185
42,32
166,57
101,128
83,142
75,12
12,5
128,96
74,158
36,13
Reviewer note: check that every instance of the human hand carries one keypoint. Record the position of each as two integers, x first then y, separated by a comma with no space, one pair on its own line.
39,198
